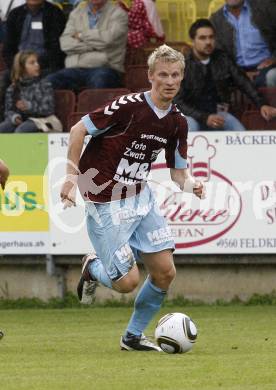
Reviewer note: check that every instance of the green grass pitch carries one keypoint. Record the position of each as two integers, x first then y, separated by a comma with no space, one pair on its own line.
75,349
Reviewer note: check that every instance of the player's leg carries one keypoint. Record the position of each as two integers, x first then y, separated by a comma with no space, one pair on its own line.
94,272
152,293
114,265
154,240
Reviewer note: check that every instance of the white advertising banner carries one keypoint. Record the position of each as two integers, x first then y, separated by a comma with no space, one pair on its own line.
238,214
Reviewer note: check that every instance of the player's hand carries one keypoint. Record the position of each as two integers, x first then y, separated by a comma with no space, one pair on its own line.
268,112
199,190
4,174
68,191
215,121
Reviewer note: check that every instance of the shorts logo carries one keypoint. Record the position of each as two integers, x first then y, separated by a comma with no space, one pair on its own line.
159,236
125,254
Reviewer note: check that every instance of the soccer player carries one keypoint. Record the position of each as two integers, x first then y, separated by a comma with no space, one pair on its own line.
123,219
4,174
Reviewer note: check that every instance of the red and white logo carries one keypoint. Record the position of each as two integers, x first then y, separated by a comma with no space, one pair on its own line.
197,222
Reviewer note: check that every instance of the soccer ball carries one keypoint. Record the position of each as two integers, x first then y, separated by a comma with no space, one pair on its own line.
175,333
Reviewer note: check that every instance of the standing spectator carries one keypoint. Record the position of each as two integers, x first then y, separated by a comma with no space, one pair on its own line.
94,41
206,88
29,100
143,23
247,32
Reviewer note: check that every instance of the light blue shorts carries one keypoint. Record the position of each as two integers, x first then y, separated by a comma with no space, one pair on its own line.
122,229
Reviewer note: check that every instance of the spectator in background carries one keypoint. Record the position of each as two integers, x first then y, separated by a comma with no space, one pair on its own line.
247,32
29,100
36,25
94,41
143,23
206,88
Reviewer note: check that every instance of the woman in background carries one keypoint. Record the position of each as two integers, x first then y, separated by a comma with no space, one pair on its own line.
143,23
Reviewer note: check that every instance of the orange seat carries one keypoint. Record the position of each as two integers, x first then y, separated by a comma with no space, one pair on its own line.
252,120
137,78
90,99
65,103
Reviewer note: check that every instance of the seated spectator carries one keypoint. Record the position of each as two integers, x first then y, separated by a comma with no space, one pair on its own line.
143,23
36,25
209,77
29,100
247,32
94,41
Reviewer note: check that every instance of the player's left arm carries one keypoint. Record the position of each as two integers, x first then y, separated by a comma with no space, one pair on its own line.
4,173
176,156
186,182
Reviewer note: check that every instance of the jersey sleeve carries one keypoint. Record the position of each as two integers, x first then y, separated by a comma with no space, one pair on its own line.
176,150
103,119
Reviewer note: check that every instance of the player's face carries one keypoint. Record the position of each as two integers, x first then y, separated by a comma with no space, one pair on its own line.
32,68
166,79
204,42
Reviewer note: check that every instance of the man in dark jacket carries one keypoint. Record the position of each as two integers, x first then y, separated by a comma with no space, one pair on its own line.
210,75
36,25
247,32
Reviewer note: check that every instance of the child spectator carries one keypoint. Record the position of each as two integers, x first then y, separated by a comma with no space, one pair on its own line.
29,99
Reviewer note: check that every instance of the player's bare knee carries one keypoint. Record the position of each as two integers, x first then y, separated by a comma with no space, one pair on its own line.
129,282
164,278
127,285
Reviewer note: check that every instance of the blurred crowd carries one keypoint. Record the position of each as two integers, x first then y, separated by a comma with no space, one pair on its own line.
74,45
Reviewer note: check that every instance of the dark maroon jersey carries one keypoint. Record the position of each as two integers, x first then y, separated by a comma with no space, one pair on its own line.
127,136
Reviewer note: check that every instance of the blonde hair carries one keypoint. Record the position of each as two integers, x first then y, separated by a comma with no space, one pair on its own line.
167,54
19,65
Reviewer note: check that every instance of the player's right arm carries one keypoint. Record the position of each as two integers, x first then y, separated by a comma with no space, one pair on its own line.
76,140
